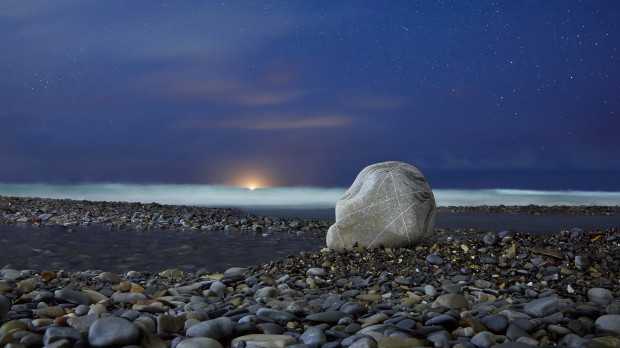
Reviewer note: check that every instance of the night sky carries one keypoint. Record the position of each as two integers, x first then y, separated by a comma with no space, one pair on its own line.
476,94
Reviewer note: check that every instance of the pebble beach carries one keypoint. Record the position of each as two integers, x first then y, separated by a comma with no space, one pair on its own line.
461,288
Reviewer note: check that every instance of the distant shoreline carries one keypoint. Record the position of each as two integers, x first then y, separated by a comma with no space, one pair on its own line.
120,215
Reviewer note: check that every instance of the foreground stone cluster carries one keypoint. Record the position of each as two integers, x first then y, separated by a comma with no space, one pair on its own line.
459,289
119,215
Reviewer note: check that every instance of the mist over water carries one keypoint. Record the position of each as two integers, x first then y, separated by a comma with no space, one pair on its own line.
290,197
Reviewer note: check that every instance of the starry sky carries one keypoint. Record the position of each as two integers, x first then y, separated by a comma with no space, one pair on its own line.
476,94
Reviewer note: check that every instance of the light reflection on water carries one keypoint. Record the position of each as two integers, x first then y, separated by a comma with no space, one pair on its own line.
53,248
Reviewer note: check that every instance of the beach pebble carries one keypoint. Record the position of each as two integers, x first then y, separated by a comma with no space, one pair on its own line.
71,296
484,339
495,323
199,342
111,331
600,296
452,301
609,323
262,340
217,329
313,337
541,307
316,272
53,334
434,259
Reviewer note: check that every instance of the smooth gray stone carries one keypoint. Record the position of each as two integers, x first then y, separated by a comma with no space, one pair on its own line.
45,296
55,333
541,307
354,309
111,331
609,323
234,271
268,292
330,317
32,340
218,288
316,272
430,290
514,332
600,296
434,259
83,322
495,323
218,329
273,315
313,337
443,320
72,296
484,339
439,338
388,204
572,340
365,342
352,339
199,342
452,301
352,328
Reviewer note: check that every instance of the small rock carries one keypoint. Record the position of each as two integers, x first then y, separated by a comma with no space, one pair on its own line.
609,323
316,272
452,301
313,337
541,307
111,331
199,342
600,296
434,259
262,340
218,329
71,296
484,339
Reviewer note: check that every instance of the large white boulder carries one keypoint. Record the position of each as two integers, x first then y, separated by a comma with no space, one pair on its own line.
388,204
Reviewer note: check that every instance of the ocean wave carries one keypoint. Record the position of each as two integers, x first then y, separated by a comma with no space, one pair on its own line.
290,197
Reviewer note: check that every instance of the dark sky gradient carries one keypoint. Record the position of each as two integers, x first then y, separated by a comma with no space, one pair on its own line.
476,94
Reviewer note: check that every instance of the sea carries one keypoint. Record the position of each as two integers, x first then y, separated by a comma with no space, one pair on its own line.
290,197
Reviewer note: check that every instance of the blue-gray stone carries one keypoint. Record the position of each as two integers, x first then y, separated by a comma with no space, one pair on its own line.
495,323
354,309
313,337
55,333
541,307
514,332
443,320
600,296
218,329
199,342
273,315
434,259
112,331
609,323
218,288
72,296
484,339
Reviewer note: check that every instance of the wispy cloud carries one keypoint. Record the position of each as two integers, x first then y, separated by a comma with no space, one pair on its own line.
369,102
270,123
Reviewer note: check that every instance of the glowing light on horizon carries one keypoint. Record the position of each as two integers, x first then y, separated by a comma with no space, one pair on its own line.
252,187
